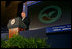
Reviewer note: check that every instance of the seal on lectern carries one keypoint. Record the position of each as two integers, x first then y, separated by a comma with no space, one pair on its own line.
12,21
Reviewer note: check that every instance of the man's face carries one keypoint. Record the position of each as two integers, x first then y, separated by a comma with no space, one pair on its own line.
23,15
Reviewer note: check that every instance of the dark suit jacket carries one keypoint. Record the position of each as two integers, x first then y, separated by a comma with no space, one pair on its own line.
26,20
27,23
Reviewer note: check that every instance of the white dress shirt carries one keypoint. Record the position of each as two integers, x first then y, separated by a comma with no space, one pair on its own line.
22,19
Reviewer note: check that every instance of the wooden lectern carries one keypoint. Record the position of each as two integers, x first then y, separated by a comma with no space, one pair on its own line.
15,26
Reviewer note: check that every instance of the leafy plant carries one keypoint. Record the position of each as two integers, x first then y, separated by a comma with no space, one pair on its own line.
18,41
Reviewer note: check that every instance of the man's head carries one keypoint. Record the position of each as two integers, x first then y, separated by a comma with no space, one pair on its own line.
23,14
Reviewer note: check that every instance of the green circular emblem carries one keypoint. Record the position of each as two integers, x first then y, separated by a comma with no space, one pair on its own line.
49,15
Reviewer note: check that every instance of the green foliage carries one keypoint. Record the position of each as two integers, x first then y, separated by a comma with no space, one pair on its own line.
18,41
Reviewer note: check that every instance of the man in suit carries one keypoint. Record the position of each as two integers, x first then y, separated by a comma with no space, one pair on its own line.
26,20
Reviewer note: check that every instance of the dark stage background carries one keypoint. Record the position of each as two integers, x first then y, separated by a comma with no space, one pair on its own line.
34,11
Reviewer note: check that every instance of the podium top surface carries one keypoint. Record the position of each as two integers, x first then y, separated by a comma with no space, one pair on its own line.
16,22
